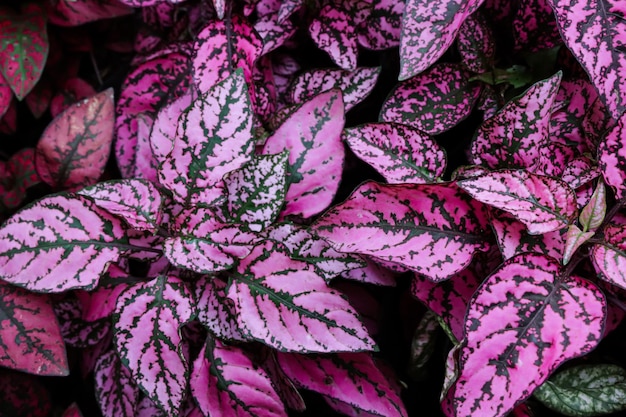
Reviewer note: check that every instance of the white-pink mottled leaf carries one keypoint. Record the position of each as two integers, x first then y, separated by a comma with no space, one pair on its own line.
214,137
163,131
145,163
612,157
147,338
592,215
476,44
513,137
226,383
116,393
542,203
430,229
284,304
354,85
434,101
256,191
381,29
273,33
523,322
333,31
609,258
60,243
215,311
573,240
352,378
428,30
312,134
595,32
288,7
399,153
148,408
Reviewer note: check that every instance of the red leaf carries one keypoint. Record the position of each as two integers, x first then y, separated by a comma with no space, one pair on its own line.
74,13
23,395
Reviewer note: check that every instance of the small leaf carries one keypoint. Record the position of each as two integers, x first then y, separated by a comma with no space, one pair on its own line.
215,311
272,32
116,392
609,258
17,175
592,215
574,239
579,172
585,391
612,157
23,395
381,30
334,32
72,411
423,345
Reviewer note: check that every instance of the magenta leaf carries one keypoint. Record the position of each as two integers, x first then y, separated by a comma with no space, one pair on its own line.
284,304
352,378
214,137
272,32
612,157
72,411
147,338
287,8
225,382
256,191
312,134
579,172
355,85
23,395
6,96
60,243
523,322
75,89
399,153
609,257
534,26
283,385
30,338
74,13
77,332
116,392
603,59
431,229
74,148
592,215
476,44
371,273
428,30
334,32
434,101
138,202
16,176
164,128
544,204
24,47
513,137
215,311
100,303
573,240
381,30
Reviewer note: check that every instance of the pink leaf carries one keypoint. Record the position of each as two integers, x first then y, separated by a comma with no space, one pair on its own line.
285,305
75,89
609,257
77,332
579,172
592,215
6,96
30,338
100,303
542,203
381,30
215,311
372,273
431,229
75,147
355,85
434,101
534,26
214,137
352,378
72,411
164,128
272,32
524,321
59,243
147,338
512,138
612,157
23,395
428,30
333,32
74,13
312,134
399,153
116,392
17,175
225,382
574,239
288,7
476,44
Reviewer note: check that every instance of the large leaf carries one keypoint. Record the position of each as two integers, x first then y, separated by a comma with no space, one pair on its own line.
612,157
352,378
60,243
116,392
215,311
284,304
30,338
428,29
542,203
226,383
312,134
434,101
594,31
24,47
214,137
147,338
74,13
609,258
523,322
431,229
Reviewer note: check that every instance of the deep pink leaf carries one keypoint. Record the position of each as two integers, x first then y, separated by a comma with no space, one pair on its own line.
399,153
431,229
363,301
573,101
272,32
77,332
612,157
116,393
476,44
214,137
534,26
38,99
74,13
352,378
59,243
226,383
428,30
75,89
372,273
146,334
334,32
592,215
16,176
542,203
215,311
6,95
434,101
148,408
284,304
72,411
524,321
100,303
265,98
579,172
312,134
609,258
574,239
23,395
283,385
381,30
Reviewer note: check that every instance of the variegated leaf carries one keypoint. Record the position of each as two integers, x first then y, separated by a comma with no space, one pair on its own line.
434,101
272,32
215,311
592,215
431,229
612,157
163,132
609,258
523,322
333,31
399,153
147,338
476,44
16,176
534,26
76,331
381,30
544,204
371,273
573,240
116,393
75,13
579,172
23,395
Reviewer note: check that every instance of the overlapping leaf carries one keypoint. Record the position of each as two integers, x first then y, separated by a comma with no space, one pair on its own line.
333,31
77,332
523,322
399,153
116,393
60,243
431,229
75,89
74,13
544,204
580,171
573,240
215,311
273,32
609,258
371,273
592,215
612,157
147,338
381,30
164,128
534,26
476,44
434,101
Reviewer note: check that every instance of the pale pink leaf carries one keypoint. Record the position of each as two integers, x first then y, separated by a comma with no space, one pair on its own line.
609,257
215,311
116,393
371,273
220,7
612,157
145,163
381,29
163,131
573,240
592,215
334,32
288,7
